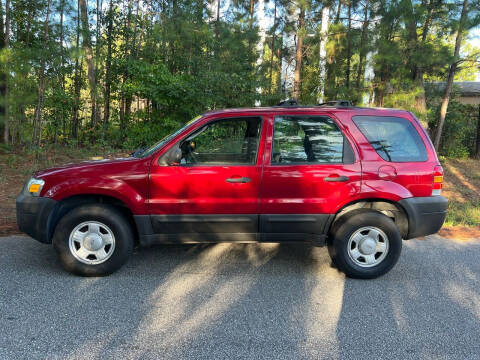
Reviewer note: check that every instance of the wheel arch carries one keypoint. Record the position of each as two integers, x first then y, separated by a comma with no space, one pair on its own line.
387,207
67,204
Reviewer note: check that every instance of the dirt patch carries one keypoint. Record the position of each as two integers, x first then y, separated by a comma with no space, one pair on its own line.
460,232
16,167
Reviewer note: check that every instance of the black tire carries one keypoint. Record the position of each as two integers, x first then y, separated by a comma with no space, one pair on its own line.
101,213
346,226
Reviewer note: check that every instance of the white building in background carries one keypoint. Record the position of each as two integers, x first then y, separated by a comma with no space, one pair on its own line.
465,92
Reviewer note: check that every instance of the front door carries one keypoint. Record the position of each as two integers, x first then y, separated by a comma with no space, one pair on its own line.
310,168
212,194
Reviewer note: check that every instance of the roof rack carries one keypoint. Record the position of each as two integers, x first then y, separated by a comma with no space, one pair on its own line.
288,103
336,103
333,103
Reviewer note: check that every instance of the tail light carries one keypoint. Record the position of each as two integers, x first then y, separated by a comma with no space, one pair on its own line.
437,180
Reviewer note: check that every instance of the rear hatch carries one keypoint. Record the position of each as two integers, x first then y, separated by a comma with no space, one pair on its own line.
396,149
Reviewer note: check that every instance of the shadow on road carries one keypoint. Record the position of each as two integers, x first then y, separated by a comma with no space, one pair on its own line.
241,301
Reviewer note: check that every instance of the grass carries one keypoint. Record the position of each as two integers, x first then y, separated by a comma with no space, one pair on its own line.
461,186
465,214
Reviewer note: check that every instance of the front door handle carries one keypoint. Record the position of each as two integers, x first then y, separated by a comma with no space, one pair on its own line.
238,180
336,178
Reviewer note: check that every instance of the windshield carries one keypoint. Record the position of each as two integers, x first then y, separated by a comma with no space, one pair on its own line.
166,139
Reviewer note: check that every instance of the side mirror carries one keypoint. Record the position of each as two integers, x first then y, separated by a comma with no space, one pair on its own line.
171,157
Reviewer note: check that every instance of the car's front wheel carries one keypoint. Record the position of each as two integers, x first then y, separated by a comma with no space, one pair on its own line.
93,240
365,244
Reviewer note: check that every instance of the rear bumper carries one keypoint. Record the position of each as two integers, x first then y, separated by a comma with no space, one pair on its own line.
425,214
33,216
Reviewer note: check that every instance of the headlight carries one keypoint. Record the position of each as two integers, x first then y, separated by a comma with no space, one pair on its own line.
34,186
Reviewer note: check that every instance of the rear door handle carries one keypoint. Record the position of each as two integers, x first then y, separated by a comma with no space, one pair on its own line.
238,180
336,178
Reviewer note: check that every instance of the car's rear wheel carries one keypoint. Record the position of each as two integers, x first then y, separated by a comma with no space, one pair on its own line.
365,244
93,240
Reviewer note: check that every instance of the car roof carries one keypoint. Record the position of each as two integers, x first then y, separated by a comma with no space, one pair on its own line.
308,109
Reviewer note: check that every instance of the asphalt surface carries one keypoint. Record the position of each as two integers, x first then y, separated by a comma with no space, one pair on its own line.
237,301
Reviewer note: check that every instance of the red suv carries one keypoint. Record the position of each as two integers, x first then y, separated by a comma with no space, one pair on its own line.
358,180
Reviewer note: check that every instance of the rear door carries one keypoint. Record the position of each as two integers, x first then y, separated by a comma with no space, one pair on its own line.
212,194
311,168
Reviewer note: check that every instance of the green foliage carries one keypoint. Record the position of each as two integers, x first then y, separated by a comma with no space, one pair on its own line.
161,63
142,134
459,132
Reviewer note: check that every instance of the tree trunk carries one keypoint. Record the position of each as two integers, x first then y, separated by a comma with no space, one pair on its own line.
339,9
217,20
108,64
451,75
97,56
363,39
76,104
322,66
251,9
62,54
260,44
87,46
349,44
420,101
412,36
2,32
129,99
6,90
61,71
37,120
31,14
297,84
123,100
382,72
272,48
212,10
287,60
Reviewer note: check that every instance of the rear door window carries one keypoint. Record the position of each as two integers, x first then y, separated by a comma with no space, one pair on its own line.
309,139
395,139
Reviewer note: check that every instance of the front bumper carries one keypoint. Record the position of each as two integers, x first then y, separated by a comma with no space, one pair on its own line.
34,216
425,214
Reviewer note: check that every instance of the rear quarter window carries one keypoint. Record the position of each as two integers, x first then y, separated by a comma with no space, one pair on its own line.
395,139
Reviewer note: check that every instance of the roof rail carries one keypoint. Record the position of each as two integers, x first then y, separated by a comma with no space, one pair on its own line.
336,103
333,103
288,103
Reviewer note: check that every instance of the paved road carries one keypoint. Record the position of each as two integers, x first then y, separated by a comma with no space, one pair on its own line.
241,301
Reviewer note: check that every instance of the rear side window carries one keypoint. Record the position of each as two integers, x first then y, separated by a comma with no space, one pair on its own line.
394,139
307,139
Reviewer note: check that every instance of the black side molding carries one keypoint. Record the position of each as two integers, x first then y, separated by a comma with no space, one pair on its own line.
232,228
290,223
196,228
177,224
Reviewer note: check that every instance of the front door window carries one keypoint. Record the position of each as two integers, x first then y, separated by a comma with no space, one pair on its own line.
223,142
